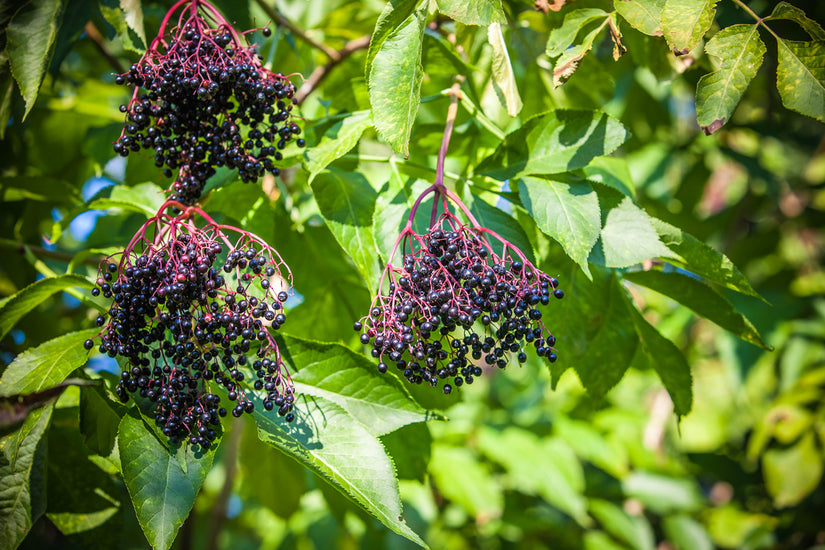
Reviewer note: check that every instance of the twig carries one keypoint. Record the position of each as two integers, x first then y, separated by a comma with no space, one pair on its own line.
286,23
320,73
95,36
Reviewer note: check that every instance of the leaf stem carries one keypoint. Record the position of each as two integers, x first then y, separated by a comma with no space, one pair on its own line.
759,20
287,24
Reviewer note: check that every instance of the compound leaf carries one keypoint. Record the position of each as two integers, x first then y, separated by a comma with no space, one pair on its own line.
740,51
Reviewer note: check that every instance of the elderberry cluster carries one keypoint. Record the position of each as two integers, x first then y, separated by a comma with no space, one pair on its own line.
457,306
207,102
184,316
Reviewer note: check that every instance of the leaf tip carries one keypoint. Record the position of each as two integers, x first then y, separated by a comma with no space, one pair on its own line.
714,126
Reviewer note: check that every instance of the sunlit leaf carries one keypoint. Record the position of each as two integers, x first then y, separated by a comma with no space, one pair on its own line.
685,22
337,140
643,15
792,474
504,81
800,77
482,12
18,305
628,236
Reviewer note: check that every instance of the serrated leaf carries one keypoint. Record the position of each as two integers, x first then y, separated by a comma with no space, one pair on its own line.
353,382
346,201
685,22
569,213
394,15
395,82
643,15
162,493
327,440
563,37
337,141
506,226
701,259
17,460
740,51
504,81
46,365
702,299
126,16
628,236
613,172
18,305
786,11
30,39
460,477
99,420
480,12
800,77
554,142
522,454
145,198
792,474
668,362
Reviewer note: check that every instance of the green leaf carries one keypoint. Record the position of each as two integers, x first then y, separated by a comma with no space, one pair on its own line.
668,362
30,40
336,447
334,372
162,493
563,37
643,15
346,201
522,454
702,299
786,11
126,16
635,532
18,305
740,51
554,142
46,365
99,420
337,141
595,330
792,474
395,82
569,213
481,12
613,172
591,445
686,532
800,77
494,218
394,15
628,236
17,462
460,477
569,60
685,22
701,259
663,494
504,81
145,198
38,188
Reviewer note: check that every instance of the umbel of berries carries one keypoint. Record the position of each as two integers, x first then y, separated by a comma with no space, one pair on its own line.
462,299
191,309
202,100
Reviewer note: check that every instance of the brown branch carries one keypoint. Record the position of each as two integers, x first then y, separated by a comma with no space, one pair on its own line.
320,73
46,254
287,24
95,36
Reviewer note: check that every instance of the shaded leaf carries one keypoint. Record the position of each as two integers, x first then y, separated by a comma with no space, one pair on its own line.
591,445
701,259
17,461
494,218
335,446
37,188
800,77
667,360
46,365
792,474
18,305
563,37
685,22
554,142
30,40
569,60
613,172
460,477
786,11
395,82
337,141
346,201
740,51
333,371
99,420
481,12
643,15
569,213
702,299
126,16
504,81
162,493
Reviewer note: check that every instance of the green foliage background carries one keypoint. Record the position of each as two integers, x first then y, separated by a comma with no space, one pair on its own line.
679,200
